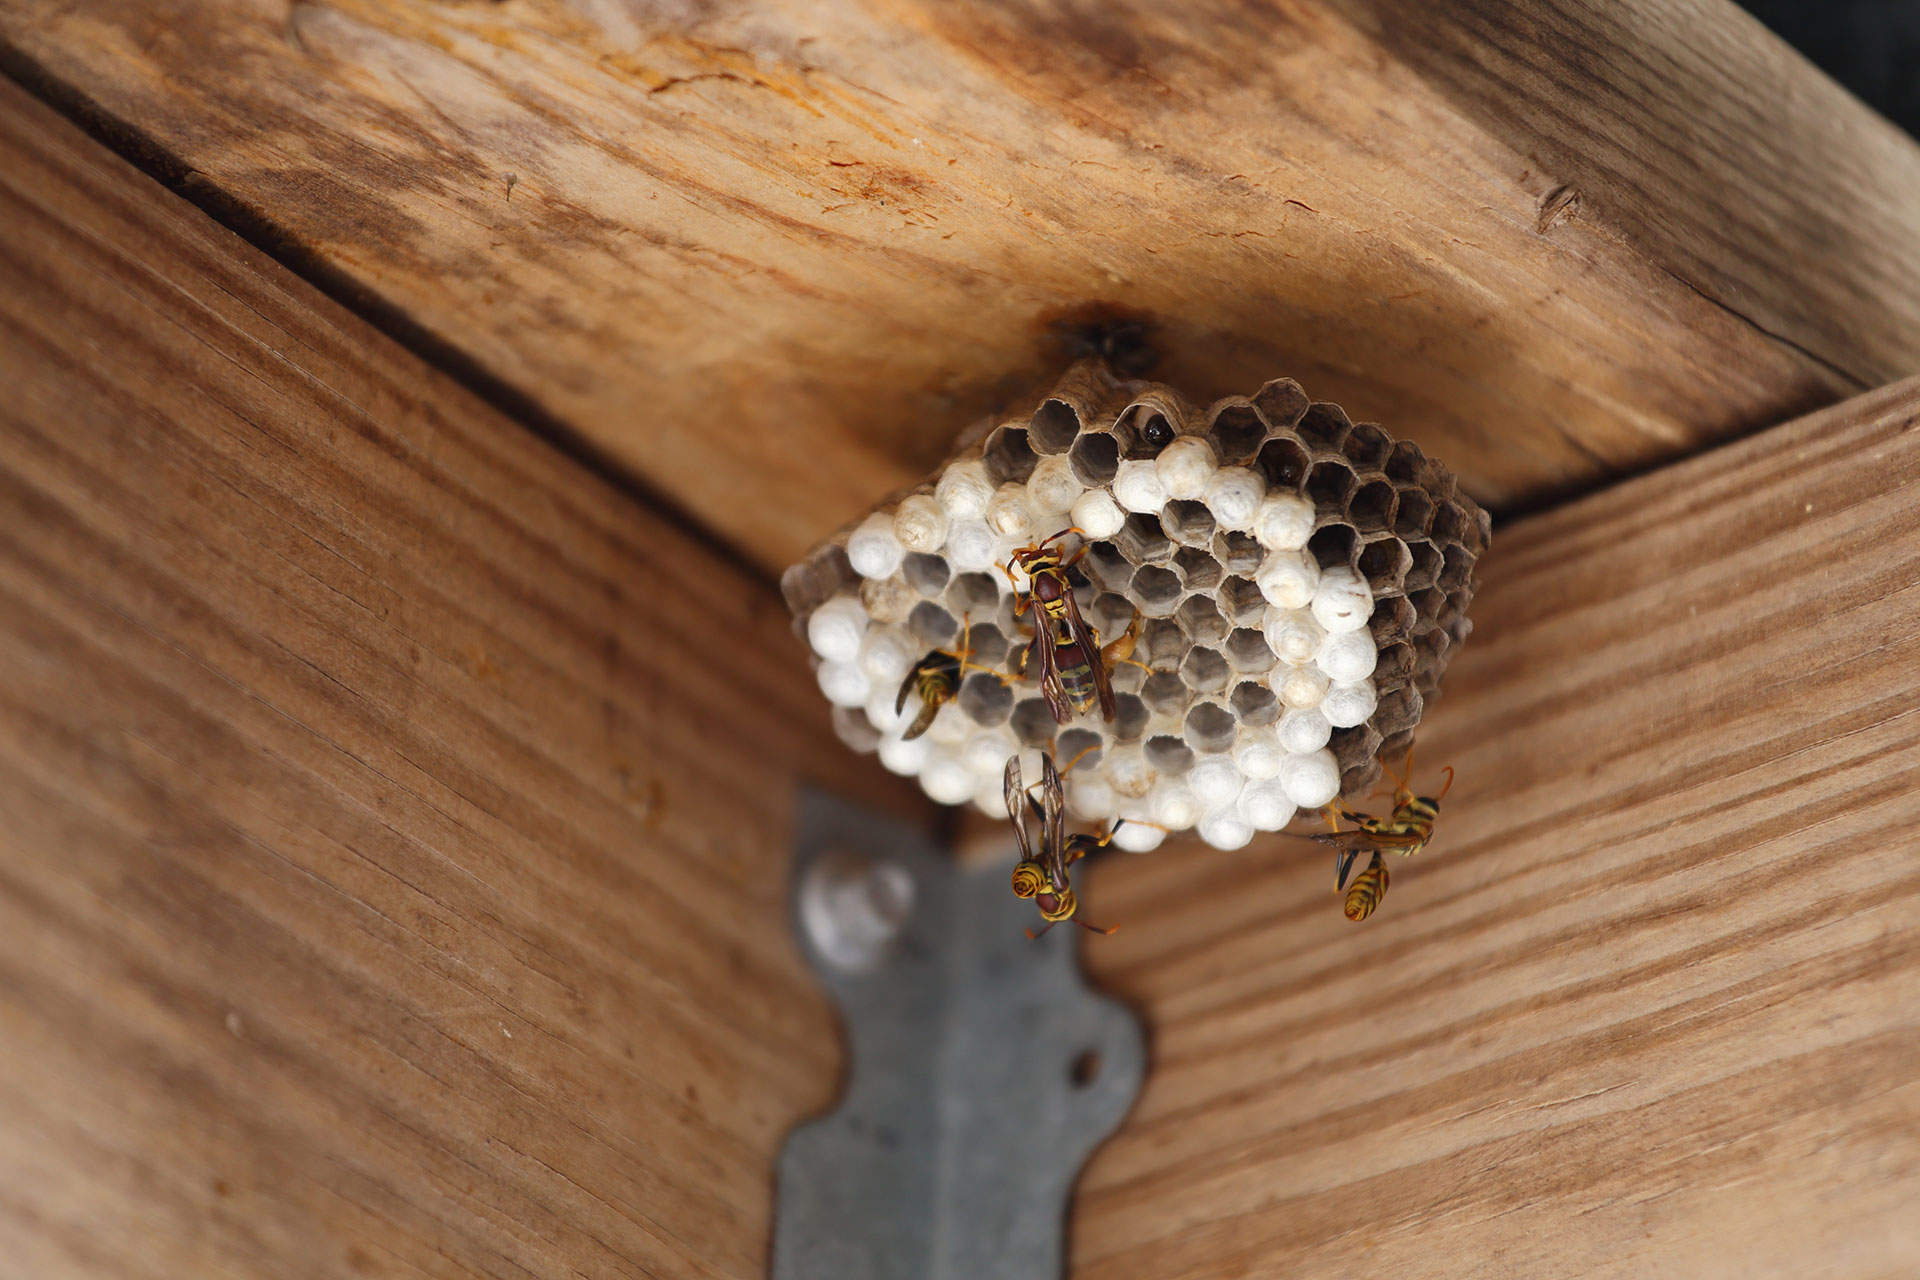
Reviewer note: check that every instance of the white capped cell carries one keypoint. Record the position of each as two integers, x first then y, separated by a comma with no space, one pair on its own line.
886,655
1137,487
1311,781
987,750
1302,686
902,757
1234,495
1258,751
1127,770
880,713
1173,805
1288,579
1342,601
970,546
1096,512
836,628
1215,780
947,781
1266,806
963,490
1185,467
1284,522
951,727
872,549
844,683
1089,798
1008,514
990,795
1347,705
1137,837
1348,656
1053,486
1304,730
1294,635
1225,828
920,524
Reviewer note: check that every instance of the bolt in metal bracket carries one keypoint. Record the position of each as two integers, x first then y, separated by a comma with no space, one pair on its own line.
982,1071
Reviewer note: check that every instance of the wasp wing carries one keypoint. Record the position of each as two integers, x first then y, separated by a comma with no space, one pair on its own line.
1047,671
1053,827
1015,794
1083,635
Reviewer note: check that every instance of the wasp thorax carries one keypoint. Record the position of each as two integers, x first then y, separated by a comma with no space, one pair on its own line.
1294,580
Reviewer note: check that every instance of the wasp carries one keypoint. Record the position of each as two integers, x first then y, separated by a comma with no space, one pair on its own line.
1065,653
1044,877
1405,831
936,677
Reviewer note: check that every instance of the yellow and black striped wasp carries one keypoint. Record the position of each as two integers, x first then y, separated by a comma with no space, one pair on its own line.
936,677
1064,654
1044,877
1405,831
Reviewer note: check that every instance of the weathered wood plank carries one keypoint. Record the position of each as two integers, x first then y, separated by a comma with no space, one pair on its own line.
772,256
392,815
1650,1003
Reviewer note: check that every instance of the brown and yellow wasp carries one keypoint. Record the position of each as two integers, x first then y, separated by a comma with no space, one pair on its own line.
1044,878
1405,831
1065,654
936,677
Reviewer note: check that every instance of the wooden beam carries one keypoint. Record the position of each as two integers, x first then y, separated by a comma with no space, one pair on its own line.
392,815
1650,1002
772,256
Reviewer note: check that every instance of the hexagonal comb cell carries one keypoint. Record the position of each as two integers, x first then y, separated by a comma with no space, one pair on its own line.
1009,458
1284,462
1053,428
1197,568
1324,427
1384,564
1203,665
1142,541
1281,402
1205,671
1187,522
1143,430
1235,432
1162,643
1199,616
1156,590
1095,457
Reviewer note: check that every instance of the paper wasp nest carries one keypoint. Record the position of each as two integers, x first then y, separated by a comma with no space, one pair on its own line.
1301,582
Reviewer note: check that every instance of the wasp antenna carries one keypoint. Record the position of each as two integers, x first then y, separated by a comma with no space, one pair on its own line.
1083,754
1443,791
1035,937
1105,933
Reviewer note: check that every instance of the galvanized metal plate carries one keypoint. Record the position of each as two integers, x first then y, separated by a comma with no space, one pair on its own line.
982,1071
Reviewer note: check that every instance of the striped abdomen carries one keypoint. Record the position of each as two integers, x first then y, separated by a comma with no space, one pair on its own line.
1076,674
1366,891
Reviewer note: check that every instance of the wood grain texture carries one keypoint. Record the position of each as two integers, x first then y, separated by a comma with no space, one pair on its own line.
392,816
772,255
1649,1005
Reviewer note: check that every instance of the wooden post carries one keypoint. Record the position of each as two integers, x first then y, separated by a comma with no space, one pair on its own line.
393,816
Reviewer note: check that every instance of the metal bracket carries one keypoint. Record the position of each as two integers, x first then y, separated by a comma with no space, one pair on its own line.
982,1071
